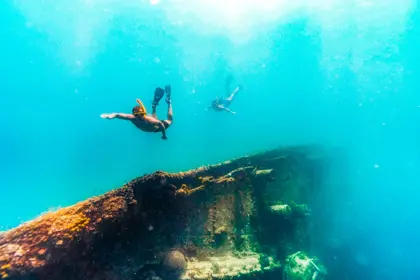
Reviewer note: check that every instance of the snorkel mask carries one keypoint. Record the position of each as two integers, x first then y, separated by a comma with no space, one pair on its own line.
139,111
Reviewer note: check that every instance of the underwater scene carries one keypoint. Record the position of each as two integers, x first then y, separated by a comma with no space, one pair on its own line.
210,139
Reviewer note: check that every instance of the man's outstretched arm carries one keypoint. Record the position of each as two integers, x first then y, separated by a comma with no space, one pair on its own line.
121,116
163,130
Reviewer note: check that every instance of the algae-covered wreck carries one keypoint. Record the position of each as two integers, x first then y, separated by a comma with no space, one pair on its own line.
241,219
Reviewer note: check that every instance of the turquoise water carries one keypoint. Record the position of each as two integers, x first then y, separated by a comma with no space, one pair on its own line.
342,73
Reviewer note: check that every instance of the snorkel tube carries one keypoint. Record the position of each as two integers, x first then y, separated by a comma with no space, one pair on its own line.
139,111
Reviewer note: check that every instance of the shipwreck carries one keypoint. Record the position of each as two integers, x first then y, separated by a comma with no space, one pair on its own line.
242,219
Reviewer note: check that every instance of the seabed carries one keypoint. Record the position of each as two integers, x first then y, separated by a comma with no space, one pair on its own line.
242,219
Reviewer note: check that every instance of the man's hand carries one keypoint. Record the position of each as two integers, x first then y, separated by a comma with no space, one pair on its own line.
162,129
120,116
108,116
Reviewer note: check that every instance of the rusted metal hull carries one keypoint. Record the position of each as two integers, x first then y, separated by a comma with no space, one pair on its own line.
247,207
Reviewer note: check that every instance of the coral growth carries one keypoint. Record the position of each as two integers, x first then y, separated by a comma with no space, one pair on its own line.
29,245
113,207
66,226
300,267
281,209
227,267
36,243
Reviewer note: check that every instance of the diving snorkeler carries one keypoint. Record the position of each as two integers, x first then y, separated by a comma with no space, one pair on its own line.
148,123
222,104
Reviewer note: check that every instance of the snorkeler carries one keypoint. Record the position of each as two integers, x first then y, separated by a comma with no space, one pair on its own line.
148,123
222,104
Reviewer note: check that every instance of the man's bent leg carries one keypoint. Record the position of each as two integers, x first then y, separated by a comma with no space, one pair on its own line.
154,112
170,116
167,123
230,98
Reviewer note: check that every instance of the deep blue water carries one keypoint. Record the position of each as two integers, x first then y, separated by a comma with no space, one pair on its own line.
342,73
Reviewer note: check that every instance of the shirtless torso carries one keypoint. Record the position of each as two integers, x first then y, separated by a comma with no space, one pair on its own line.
147,124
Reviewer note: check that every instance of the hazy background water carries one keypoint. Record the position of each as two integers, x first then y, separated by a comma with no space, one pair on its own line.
342,73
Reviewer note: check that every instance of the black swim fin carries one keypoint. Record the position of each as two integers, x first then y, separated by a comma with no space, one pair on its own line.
159,92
